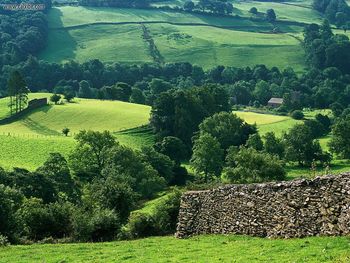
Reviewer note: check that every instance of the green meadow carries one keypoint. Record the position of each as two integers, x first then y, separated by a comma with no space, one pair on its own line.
215,46
28,141
80,33
268,122
81,114
202,249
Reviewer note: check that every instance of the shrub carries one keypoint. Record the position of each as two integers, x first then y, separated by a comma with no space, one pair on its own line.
4,241
55,98
139,225
160,221
41,221
297,115
97,225
105,225
251,166
316,128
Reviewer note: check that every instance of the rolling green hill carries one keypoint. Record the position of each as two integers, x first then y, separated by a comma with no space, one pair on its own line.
216,248
82,114
81,34
27,142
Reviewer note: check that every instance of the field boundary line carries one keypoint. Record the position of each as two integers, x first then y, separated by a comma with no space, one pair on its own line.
160,22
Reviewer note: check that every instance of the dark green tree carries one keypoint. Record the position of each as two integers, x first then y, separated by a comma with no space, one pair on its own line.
89,156
251,166
55,98
340,142
207,156
301,146
228,129
274,145
271,15
254,141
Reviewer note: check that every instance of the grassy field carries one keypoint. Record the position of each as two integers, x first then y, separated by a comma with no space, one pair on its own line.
69,16
198,249
247,43
82,114
27,142
267,122
108,43
214,46
292,11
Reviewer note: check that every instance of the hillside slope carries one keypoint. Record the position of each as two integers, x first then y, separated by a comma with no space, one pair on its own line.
81,114
28,141
82,33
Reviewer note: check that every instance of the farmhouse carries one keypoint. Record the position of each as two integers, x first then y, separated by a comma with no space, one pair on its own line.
275,102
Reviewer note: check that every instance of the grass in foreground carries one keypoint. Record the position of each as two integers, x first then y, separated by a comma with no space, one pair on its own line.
198,249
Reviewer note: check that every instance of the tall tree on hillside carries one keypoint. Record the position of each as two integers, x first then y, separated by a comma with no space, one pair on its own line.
17,91
23,96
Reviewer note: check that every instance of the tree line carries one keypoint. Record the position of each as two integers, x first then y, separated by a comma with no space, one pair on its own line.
324,49
316,88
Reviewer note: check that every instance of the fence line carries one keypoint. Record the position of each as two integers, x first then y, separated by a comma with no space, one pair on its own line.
32,135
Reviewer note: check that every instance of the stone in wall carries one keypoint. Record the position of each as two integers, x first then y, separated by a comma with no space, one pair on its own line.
297,208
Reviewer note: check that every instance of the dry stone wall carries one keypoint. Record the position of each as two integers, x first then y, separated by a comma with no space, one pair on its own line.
287,209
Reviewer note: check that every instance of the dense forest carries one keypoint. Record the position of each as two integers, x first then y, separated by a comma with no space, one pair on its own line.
21,34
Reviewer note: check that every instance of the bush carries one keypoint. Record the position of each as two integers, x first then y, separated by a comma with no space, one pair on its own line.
4,241
41,221
297,115
251,166
97,225
139,225
161,221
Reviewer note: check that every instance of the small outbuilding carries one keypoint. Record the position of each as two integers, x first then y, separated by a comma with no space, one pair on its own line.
275,102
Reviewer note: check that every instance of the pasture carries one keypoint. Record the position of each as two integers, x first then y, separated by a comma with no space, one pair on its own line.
214,248
268,122
80,33
81,114
27,142
214,46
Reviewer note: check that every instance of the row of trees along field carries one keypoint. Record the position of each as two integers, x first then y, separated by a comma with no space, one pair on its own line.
316,88
18,93
224,7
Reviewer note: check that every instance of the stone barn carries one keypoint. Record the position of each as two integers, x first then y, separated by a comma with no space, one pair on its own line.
275,102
